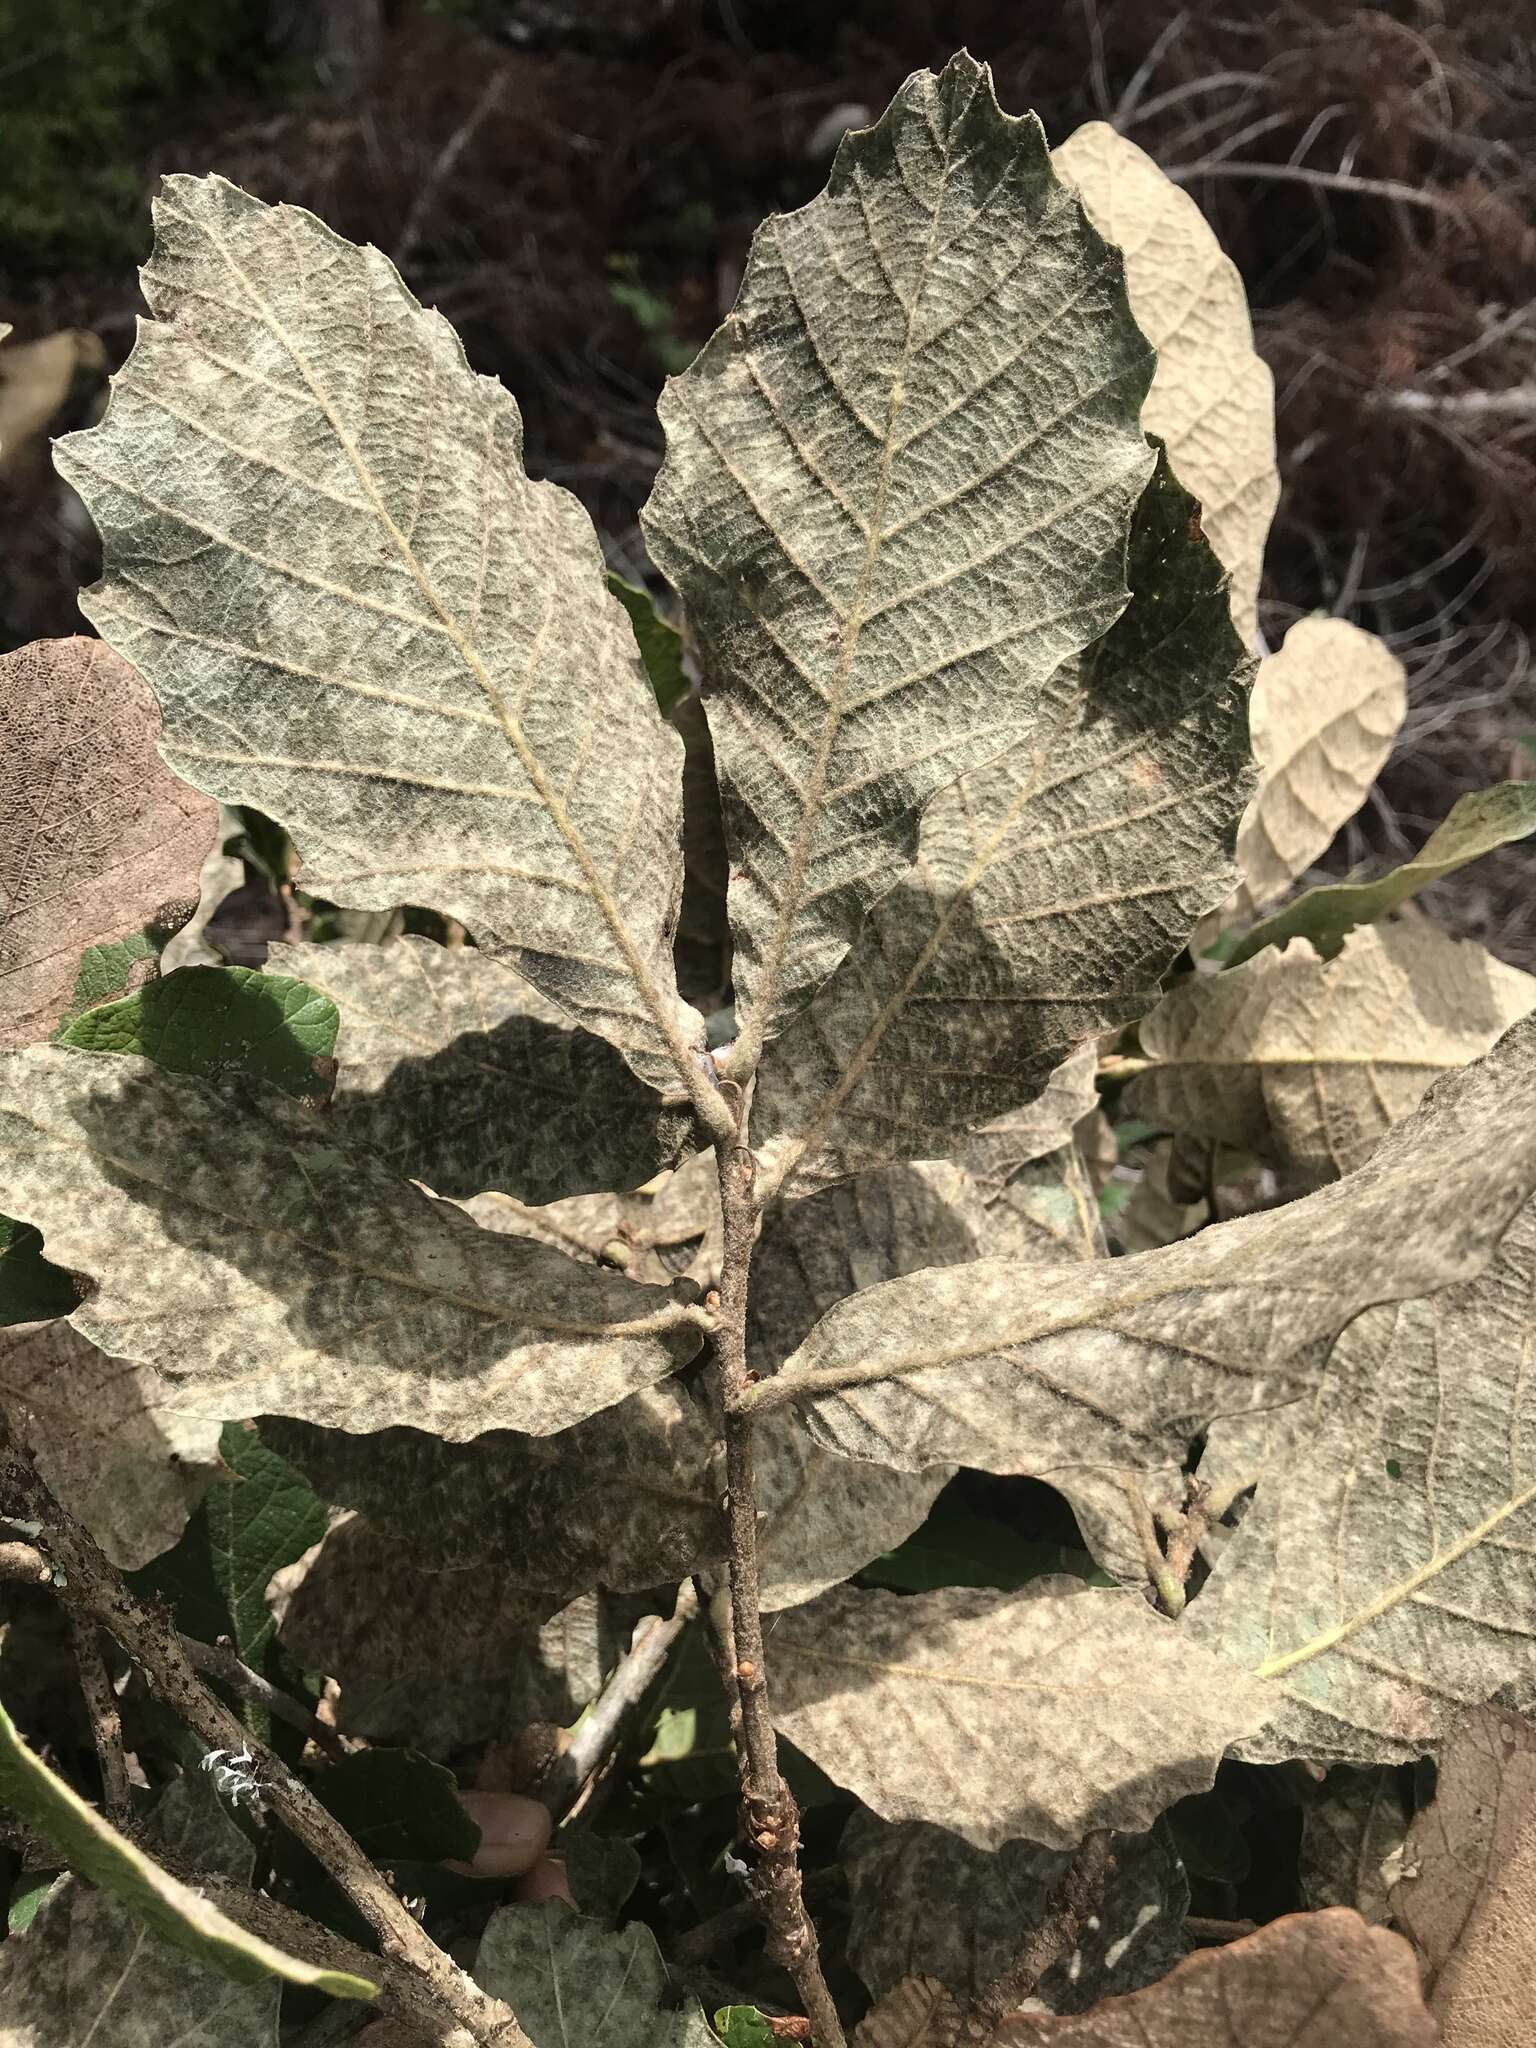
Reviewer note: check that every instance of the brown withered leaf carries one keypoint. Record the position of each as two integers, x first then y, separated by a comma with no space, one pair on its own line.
342,1294
894,496
1311,1980
904,2017
925,1903
362,617
441,1659
1114,1365
1467,1893
125,1465
1306,1062
1037,1715
1380,1584
1052,888
628,1499
457,1071
1212,399
74,870
1326,710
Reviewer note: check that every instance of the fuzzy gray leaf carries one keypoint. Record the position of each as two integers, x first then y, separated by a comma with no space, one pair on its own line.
895,495
1052,889
262,1269
1113,1365
1352,1842
574,1981
362,618
457,1071
926,1903
1036,1715
1381,1584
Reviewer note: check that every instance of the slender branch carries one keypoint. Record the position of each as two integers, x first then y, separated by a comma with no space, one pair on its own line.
218,1660
1071,1902
106,1721
1214,1932
93,1586
615,1706
1328,181
768,1806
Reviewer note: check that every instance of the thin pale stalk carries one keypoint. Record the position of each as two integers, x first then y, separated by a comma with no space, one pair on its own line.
106,1721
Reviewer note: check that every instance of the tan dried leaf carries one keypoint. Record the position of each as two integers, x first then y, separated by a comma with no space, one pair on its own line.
76,873
1112,1366
40,381
1380,1584
1212,399
1306,1062
1467,1894
457,1071
1312,1980
1326,710
362,618
896,488
1040,1714
904,2017
127,1467
262,1269
1052,889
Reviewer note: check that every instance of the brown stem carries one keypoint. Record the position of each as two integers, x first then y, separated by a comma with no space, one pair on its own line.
218,1660
94,1587
771,1817
1071,1901
106,1721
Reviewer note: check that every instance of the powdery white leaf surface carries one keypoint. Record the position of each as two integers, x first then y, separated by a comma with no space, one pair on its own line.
1212,400
1031,1130
1114,1365
261,1268
628,1499
925,1903
1052,889
670,1226
362,618
1037,1715
1380,1585
97,837
118,1459
1352,1834
1311,1980
459,1073
1478,822
1326,710
895,498
438,1660
1467,1892
138,1957
572,1980
1306,1062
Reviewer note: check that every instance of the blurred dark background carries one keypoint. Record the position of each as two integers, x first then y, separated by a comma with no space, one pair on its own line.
574,182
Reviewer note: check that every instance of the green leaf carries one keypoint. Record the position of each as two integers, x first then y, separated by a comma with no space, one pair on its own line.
363,619
602,1871
1478,823
115,968
216,1577
32,1887
172,1910
659,641
32,1288
743,2026
262,1268
395,1804
895,495
220,1020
